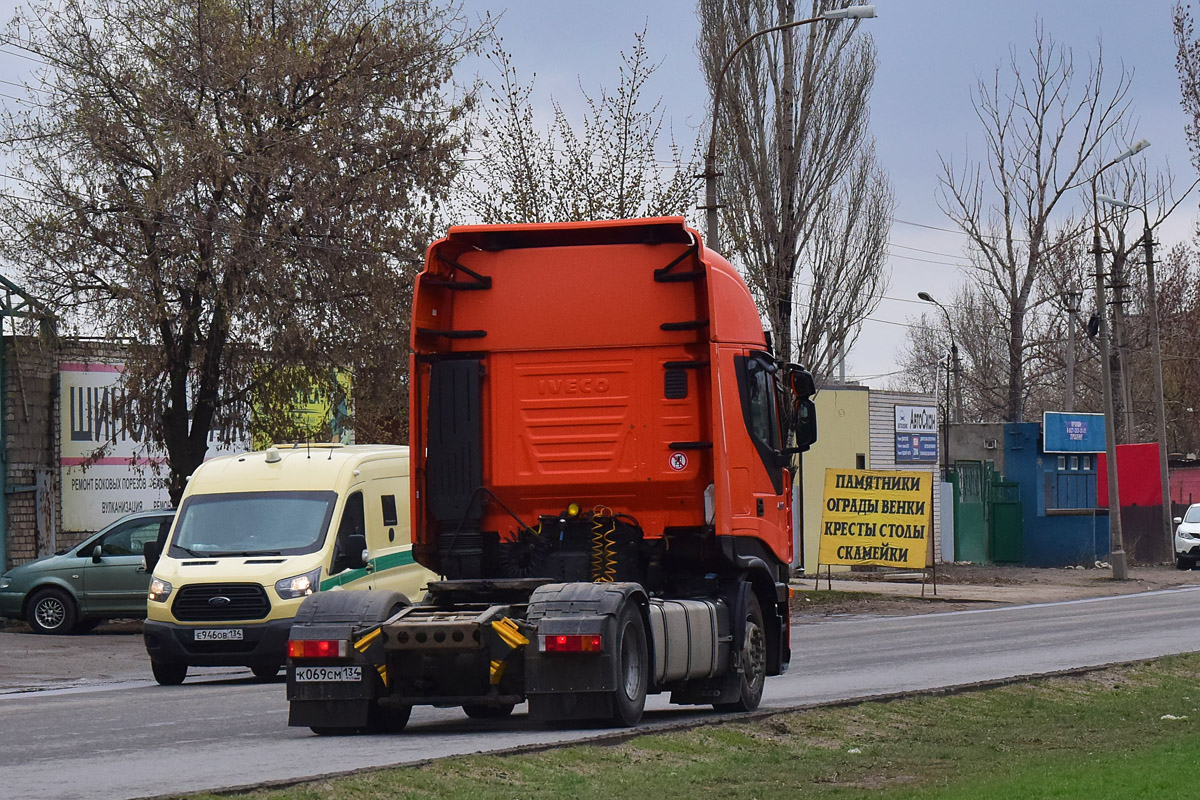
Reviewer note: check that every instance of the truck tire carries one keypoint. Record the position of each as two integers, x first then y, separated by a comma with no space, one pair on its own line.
51,611
168,674
752,661
359,608
633,668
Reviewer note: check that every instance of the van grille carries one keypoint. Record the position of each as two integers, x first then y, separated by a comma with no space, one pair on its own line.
196,603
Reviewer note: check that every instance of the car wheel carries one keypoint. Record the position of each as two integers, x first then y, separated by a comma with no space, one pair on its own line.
168,674
1184,563
52,611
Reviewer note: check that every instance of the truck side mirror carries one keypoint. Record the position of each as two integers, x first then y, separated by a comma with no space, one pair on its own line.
150,553
804,411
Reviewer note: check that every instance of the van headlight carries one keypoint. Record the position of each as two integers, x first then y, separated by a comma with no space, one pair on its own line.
299,585
160,590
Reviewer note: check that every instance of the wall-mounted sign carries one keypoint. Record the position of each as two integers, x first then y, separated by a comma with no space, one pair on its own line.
107,469
916,434
1072,433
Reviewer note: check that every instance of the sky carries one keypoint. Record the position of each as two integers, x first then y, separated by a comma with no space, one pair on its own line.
930,57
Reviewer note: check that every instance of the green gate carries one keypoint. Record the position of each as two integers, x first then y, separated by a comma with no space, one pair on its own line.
970,510
1005,523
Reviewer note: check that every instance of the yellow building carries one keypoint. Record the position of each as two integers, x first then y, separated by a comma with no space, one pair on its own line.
844,442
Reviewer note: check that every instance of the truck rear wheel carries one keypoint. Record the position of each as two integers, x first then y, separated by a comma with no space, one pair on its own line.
633,668
488,712
752,661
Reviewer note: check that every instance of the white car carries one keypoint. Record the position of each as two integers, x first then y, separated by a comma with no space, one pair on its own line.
1187,537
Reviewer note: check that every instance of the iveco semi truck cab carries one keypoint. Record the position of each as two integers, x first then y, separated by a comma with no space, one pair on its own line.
602,472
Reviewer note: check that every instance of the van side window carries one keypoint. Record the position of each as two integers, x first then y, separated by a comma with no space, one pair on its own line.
353,525
389,510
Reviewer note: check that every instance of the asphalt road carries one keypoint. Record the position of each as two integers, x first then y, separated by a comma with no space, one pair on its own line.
137,739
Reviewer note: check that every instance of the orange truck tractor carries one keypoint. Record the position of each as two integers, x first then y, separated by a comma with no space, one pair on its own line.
602,448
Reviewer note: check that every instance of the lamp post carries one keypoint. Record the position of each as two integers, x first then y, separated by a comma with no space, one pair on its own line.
710,157
1117,558
928,298
1160,411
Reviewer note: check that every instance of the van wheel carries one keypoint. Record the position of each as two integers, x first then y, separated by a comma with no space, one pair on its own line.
168,674
633,668
265,673
752,661
52,611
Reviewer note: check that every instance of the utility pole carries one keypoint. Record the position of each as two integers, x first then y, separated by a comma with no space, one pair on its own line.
1073,299
1116,537
1120,331
1160,410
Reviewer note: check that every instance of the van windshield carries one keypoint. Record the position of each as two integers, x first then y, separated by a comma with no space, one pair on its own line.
252,523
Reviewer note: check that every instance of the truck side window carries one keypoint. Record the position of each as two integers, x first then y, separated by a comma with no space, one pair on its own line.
757,386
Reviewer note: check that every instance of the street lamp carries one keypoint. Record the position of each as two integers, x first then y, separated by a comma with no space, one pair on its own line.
1120,565
928,298
710,158
1156,351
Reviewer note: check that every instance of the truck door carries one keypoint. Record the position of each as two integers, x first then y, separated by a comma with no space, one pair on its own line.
769,507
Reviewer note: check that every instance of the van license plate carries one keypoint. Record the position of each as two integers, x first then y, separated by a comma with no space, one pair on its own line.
322,674
218,635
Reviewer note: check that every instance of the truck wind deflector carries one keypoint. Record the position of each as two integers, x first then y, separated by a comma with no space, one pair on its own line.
477,281
665,274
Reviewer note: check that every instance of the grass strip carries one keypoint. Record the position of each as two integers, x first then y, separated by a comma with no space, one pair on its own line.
1123,733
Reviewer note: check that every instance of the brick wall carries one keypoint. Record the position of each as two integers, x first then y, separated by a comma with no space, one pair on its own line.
31,442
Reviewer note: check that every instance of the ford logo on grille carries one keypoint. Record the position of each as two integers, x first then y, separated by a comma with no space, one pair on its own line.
219,601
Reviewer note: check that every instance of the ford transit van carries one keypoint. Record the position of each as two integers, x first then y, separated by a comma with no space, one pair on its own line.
256,533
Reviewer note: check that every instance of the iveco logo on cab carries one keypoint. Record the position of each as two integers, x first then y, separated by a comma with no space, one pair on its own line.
573,386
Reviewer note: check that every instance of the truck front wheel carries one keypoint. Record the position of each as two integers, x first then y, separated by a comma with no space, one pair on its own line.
752,661
633,668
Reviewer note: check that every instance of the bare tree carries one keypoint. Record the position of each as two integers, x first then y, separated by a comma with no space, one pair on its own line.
1045,133
240,188
605,168
805,208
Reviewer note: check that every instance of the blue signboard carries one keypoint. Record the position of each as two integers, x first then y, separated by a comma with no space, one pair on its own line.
1072,433
917,447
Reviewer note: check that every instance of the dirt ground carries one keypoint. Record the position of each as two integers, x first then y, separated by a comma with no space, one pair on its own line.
113,653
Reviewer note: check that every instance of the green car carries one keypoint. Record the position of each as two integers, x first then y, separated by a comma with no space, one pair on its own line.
102,578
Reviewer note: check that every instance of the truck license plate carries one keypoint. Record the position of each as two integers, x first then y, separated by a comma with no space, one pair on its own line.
322,674
218,635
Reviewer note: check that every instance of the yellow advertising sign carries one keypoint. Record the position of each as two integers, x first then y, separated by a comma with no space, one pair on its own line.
880,517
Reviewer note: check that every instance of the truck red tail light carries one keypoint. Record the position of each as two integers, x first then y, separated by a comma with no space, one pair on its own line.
571,643
317,648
